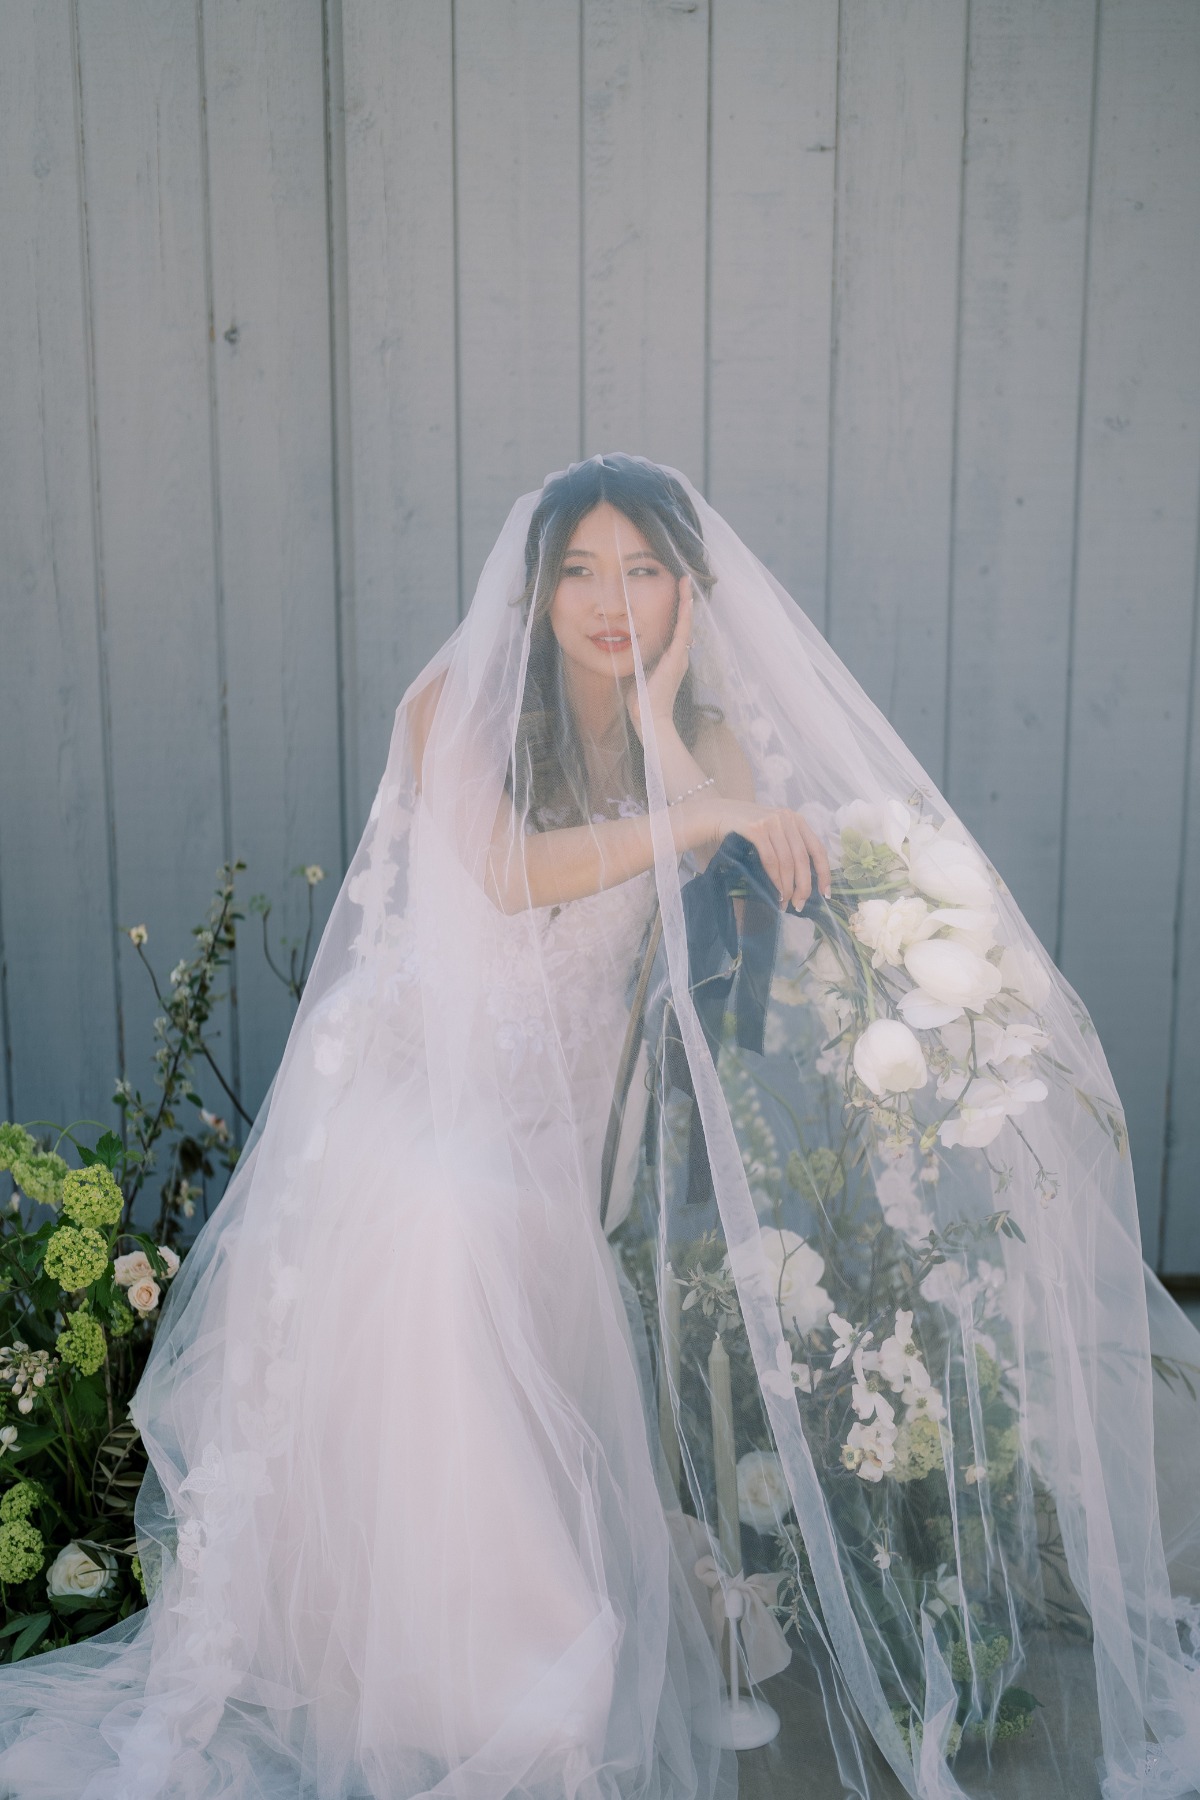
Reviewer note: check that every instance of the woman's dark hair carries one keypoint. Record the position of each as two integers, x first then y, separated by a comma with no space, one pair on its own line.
547,777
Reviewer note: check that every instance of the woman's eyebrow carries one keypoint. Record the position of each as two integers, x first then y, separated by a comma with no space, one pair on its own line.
630,555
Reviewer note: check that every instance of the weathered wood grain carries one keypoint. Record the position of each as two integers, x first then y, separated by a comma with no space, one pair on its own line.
265,138
900,134
774,131
400,234
1024,248
1139,479
60,994
645,209
145,243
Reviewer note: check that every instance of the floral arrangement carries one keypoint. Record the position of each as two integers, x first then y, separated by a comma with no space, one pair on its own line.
906,1045
81,1294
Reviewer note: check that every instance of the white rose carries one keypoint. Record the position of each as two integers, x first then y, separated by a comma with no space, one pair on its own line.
1023,974
951,975
169,1257
762,1489
946,868
888,1058
76,1571
796,1270
131,1268
143,1294
888,926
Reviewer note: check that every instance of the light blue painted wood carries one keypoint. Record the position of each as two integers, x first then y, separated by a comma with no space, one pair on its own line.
519,226
403,479
1139,480
774,130
900,127
462,242
645,96
1024,264
59,945
266,179
145,242
1179,1246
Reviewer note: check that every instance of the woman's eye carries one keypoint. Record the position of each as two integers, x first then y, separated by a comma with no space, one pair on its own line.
576,569
646,569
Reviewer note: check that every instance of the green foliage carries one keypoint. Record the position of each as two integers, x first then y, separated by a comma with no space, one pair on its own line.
72,1345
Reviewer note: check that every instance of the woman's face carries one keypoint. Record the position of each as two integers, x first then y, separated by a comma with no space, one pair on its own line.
611,585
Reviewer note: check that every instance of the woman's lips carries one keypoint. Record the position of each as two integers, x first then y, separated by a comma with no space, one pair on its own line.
611,640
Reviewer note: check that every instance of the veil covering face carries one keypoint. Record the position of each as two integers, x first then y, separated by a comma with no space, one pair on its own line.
596,1258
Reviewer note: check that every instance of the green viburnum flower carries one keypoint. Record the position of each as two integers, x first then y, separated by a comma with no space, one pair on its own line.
122,1318
989,1373
989,1657
918,1449
15,1144
136,1566
82,1342
22,1550
1003,1448
19,1501
76,1255
911,1729
817,1175
40,1175
91,1196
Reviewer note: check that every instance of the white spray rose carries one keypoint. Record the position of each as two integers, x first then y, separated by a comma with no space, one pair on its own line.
762,1489
888,926
795,1274
81,1572
946,868
950,975
144,1294
130,1268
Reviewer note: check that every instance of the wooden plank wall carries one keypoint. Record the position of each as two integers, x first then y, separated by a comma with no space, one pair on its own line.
300,294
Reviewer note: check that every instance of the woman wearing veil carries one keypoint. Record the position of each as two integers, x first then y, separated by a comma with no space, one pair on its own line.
691,1232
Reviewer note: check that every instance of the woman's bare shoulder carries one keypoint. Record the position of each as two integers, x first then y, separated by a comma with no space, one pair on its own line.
420,714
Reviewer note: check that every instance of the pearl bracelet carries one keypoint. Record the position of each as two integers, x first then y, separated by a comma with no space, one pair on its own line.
710,781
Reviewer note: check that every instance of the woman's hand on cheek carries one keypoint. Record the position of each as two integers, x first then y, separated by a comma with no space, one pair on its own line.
662,681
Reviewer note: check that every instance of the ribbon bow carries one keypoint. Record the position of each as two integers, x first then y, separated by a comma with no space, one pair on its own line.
765,1649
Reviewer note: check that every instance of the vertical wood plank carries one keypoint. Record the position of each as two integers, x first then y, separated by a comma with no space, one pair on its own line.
1139,479
140,93
59,945
266,153
403,477
518,255
645,212
1179,1236
774,128
1024,251
900,135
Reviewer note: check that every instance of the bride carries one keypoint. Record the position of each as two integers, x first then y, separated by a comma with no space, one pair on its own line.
689,1243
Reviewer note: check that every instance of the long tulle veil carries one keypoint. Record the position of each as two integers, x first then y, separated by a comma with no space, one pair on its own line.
837,1307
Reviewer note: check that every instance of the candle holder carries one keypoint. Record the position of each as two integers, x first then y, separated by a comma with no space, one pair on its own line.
746,1722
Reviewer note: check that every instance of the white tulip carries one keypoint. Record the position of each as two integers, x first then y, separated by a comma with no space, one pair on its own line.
888,1059
76,1571
888,823
974,926
947,868
952,974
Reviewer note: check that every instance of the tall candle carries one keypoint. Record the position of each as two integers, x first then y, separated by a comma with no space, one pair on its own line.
668,1372
720,1389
